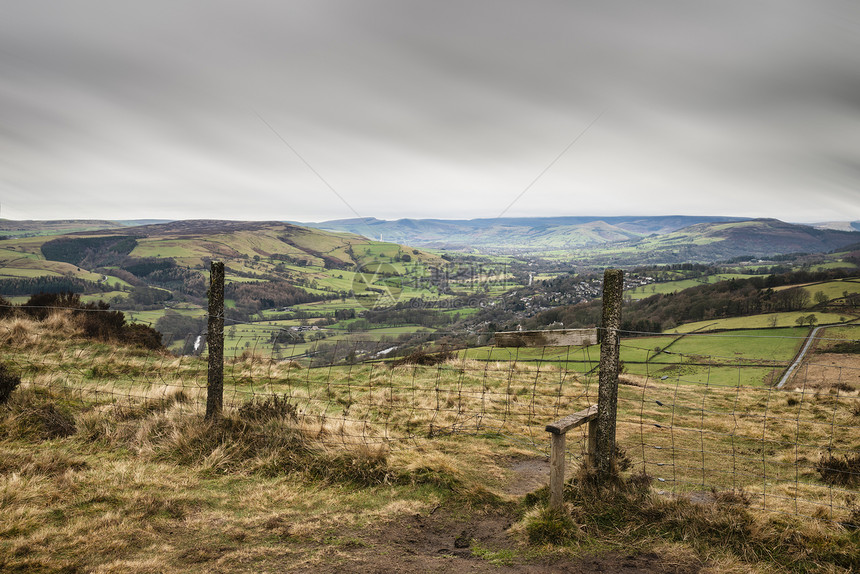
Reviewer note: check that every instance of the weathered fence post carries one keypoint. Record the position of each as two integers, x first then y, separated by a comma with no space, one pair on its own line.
556,470
215,341
558,432
607,391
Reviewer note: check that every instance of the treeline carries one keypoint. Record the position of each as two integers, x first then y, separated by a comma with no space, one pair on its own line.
49,284
143,266
89,251
179,280
175,326
258,295
733,298
407,316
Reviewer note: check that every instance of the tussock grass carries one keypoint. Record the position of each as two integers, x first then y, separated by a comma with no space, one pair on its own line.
111,439
841,470
265,436
9,381
30,416
19,333
628,513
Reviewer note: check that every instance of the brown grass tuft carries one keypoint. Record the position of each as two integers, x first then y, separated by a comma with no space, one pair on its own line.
19,332
35,415
841,471
62,323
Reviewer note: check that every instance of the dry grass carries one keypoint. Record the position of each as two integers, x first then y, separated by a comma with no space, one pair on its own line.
20,333
629,514
139,485
106,460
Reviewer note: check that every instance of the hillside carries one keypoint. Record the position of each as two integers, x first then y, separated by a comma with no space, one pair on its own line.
624,241
838,225
11,228
147,264
515,233
757,238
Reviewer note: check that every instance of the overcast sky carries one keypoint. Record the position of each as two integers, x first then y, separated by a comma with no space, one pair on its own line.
328,109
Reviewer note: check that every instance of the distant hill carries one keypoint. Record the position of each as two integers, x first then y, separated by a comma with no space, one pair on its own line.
609,240
137,222
11,228
838,225
515,233
709,242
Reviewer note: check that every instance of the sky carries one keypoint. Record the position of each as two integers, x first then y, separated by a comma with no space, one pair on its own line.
331,109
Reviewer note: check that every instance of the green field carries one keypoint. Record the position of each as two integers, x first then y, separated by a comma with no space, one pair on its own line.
835,289
835,265
107,295
18,272
644,291
760,321
749,357
151,317
255,338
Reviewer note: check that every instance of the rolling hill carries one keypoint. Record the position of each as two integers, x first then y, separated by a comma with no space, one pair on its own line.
609,240
150,263
515,233
12,228
710,242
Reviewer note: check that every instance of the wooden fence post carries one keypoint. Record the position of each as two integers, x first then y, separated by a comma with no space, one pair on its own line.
607,391
556,470
591,452
215,341
558,432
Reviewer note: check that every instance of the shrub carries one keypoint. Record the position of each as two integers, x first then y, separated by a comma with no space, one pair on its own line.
36,415
41,305
551,526
141,335
424,359
9,381
6,307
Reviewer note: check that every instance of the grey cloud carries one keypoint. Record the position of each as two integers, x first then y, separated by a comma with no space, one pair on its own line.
712,107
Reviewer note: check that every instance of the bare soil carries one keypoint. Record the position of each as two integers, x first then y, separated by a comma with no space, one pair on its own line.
442,540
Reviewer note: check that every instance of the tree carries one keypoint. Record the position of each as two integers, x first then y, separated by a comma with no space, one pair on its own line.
820,298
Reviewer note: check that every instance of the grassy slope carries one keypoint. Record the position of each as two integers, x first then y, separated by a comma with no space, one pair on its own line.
247,250
787,319
139,482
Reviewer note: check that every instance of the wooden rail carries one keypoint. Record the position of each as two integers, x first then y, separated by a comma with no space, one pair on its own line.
558,431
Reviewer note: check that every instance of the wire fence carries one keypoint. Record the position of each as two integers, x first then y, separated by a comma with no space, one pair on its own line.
698,423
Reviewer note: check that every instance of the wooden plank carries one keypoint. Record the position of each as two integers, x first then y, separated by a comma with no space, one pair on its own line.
573,421
556,472
555,338
590,457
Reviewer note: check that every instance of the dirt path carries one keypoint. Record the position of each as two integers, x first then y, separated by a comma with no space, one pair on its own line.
442,540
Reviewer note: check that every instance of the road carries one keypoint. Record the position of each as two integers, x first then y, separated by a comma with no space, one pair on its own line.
799,358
